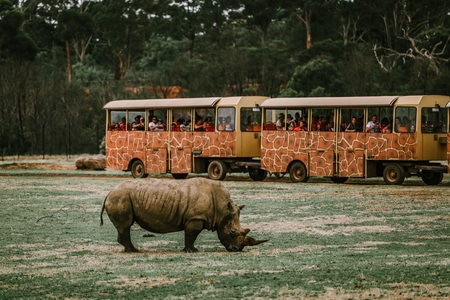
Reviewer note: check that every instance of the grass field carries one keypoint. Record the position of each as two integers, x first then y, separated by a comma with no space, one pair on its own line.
359,240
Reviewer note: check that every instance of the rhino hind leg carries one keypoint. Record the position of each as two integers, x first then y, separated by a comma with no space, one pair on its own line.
124,238
191,231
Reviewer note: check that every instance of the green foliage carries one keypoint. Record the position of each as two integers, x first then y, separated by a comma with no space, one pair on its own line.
312,78
219,48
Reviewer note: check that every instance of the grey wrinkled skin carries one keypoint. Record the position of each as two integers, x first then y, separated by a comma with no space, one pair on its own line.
163,206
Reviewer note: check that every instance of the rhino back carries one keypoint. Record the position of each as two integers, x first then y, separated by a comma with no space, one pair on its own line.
162,205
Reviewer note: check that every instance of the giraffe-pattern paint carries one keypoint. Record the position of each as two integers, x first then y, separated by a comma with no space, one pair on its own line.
329,154
163,152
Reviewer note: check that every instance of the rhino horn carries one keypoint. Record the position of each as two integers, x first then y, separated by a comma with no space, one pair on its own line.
249,241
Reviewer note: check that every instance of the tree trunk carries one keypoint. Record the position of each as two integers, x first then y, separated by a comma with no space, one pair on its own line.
69,63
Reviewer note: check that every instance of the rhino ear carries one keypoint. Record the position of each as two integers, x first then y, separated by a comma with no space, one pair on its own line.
231,208
245,231
241,206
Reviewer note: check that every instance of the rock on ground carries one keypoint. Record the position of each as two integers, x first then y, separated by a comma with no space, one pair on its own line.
97,162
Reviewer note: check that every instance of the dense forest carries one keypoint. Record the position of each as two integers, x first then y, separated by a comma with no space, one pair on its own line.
62,60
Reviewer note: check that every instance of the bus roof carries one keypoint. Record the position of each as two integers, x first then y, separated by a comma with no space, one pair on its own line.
330,101
150,103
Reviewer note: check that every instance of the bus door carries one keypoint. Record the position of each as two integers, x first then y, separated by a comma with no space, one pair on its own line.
322,148
250,141
350,143
156,143
181,140
434,133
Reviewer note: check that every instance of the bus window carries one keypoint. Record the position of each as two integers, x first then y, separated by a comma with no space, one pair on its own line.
384,118
134,119
434,119
405,119
298,115
118,120
158,120
347,115
209,117
181,119
322,119
250,119
226,120
273,117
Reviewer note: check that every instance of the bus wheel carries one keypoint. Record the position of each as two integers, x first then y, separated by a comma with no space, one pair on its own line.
298,173
257,174
138,169
179,175
432,178
217,170
394,174
339,179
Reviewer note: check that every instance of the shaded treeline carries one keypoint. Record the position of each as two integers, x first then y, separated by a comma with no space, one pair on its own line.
61,61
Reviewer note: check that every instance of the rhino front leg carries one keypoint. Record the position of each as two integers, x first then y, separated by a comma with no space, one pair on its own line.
124,238
191,231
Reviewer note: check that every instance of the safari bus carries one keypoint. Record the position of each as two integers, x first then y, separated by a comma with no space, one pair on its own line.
180,136
356,137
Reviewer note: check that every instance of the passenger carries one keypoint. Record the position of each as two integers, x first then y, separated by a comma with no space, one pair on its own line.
280,122
373,126
155,125
297,118
399,127
182,125
222,124
187,125
123,124
199,125
141,124
229,125
387,128
301,127
135,124
351,127
321,124
314,123
209,125
290,123
330,125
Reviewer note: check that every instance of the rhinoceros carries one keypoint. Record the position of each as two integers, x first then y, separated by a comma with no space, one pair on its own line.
163,206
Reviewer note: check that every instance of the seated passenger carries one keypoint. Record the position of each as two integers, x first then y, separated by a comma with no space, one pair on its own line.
290,123
373,125
301,127
199,125
351,127
155,125
399,127
280,122
123,124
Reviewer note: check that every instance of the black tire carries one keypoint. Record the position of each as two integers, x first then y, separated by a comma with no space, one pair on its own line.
394,174
432,178
298,172
339,179
180,175
217,170
257,174
138,169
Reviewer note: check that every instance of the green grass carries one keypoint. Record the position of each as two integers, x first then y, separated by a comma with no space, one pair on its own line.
343,241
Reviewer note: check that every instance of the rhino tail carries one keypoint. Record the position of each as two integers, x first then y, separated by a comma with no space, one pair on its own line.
103,209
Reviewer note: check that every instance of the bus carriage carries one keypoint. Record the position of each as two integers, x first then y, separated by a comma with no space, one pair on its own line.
229,141
415,144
